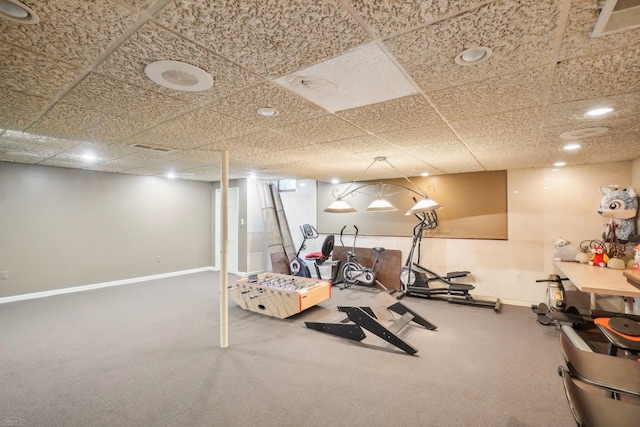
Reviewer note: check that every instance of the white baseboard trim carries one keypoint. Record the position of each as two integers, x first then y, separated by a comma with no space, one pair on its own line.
101,285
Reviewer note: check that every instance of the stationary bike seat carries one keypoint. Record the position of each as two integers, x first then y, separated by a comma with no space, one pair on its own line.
378,249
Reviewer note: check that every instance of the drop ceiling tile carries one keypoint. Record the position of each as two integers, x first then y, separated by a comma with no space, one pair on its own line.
153,43
209,154
354,146
321,129
599,75
25,148
199,127
271,38
116,98
32,73
409,112
449,157
573,112
101,152
519,33
507,163
245,104
73,122
140,159
259,143
527,120
139,4
74,31
47,145
493,96
17,109
424,136
363,76
606,148
19,157
577,40
502,142
615,126
391,16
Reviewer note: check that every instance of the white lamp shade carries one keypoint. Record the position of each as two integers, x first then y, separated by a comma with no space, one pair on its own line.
339,206
424,205
381,205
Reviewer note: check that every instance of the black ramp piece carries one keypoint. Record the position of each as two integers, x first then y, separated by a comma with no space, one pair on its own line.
360,318
352,332
401,309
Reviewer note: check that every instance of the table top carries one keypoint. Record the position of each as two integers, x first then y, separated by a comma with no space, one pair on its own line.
633,277
599,280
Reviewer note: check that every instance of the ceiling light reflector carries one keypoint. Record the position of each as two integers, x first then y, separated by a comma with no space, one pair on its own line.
571,146
473,56
596,112
15,11
268,112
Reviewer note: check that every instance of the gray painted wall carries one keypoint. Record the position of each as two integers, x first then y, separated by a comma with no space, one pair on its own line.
68,227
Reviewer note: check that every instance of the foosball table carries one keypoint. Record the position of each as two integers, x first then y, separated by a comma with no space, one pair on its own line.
279,295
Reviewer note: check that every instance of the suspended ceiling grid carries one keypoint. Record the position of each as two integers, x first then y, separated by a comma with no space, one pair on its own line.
75,83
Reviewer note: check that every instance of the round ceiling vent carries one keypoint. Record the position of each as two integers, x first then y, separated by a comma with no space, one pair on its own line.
15,11
584,133
178,75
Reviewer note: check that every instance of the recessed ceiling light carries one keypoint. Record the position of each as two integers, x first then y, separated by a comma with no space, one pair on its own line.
335,181
571,146
178,75
89,157
584,133
424,174
15,11
554,170
473,56
171,175
558,164
268,112
599,111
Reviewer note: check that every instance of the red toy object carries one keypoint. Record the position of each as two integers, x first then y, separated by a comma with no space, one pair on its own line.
599,258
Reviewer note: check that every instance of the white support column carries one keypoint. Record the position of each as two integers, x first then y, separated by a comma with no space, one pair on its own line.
224,276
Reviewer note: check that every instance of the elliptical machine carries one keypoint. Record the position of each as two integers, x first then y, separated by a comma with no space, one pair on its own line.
416,279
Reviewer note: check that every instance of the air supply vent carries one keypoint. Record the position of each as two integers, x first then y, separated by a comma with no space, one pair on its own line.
616,16
152,148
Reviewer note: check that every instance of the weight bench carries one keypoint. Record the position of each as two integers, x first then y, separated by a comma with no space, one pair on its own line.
368,318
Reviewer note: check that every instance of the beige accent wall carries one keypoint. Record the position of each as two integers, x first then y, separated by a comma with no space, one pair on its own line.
474,206
62,227
542,205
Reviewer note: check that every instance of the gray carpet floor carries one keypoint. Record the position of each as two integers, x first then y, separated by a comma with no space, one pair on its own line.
148,354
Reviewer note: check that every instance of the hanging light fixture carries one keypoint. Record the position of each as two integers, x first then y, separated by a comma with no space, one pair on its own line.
339,205
380,204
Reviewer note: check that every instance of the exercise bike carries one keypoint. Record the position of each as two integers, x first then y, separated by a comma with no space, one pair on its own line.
416,280
353,272
297,266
